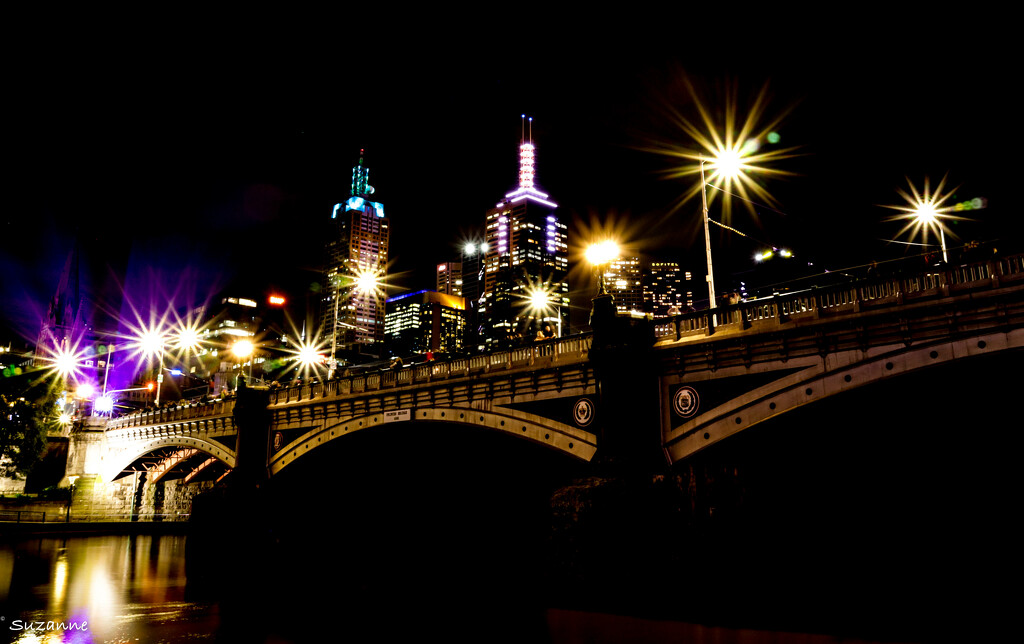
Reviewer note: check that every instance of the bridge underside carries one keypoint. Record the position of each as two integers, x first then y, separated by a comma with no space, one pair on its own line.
702,408
172,458
176,463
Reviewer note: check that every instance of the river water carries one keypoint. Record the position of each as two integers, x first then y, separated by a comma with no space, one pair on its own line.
125,589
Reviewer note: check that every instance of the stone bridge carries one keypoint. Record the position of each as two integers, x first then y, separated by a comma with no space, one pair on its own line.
668,390
765,358
544,393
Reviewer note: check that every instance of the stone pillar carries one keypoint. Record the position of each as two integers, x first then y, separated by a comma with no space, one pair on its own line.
252,440
86,446
622,354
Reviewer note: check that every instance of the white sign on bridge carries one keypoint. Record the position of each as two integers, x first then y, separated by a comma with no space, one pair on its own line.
397,415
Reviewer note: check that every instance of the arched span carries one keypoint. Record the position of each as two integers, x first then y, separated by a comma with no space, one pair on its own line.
823,379
130,454
569,440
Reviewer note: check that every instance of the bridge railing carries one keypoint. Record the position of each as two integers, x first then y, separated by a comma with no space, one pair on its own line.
850,296
165,415
571,348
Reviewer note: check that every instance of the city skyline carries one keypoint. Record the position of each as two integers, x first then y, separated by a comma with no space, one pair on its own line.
239,199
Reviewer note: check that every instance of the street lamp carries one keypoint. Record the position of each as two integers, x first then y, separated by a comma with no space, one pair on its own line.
599,255
927,217
925,211
366,282
540,302
243,349
151,341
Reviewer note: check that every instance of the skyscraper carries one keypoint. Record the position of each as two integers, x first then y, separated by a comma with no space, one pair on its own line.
425,321
449,278
526,250
352,308
667,286
622,279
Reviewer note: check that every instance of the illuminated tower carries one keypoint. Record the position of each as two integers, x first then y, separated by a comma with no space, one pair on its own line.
352,310
526,249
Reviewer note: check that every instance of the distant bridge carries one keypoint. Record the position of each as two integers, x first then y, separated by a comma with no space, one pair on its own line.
724,370
544,393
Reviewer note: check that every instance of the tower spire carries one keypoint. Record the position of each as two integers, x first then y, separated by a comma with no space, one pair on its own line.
360,178
526,158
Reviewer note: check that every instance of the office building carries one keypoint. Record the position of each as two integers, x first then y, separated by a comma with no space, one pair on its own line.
449,278
526,250
665,286
623,280
352,306
425,321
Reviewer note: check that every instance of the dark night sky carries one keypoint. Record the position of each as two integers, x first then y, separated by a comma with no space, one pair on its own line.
182,162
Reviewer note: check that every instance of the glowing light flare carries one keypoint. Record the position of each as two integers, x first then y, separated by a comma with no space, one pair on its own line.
104,404
309,357
925,211
242,349
151,342
188,338
366,282
539,299
602,252
65,362
732,150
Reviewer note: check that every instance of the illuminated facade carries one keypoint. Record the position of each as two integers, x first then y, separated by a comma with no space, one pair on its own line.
425,321
352,316
526,249
665,286
623,280
449,278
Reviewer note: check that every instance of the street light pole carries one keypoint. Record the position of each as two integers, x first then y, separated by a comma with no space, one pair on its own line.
707,237
159,375
332,364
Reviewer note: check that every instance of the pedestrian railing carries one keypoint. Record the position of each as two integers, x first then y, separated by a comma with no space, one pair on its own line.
834,300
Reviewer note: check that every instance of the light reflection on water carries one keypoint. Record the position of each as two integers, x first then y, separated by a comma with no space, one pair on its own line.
133,589
121,588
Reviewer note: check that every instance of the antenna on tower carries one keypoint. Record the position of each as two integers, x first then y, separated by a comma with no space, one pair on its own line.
522,132
531,130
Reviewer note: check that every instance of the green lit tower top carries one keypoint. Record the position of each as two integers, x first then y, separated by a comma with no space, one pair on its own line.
360,179
352,306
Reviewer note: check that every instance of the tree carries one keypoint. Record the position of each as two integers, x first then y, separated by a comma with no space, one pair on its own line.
23,420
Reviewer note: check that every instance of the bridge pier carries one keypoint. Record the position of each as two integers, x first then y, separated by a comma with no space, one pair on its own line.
629,438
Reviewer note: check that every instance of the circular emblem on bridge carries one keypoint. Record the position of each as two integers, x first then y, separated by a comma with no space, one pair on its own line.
583,412
686,401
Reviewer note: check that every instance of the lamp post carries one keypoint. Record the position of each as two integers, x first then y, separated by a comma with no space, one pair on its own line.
599,255
243,349
151,341
707,238
332,364
365,283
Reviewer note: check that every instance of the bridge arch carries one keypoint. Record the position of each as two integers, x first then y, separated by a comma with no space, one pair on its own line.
817,380
131,453
570,440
